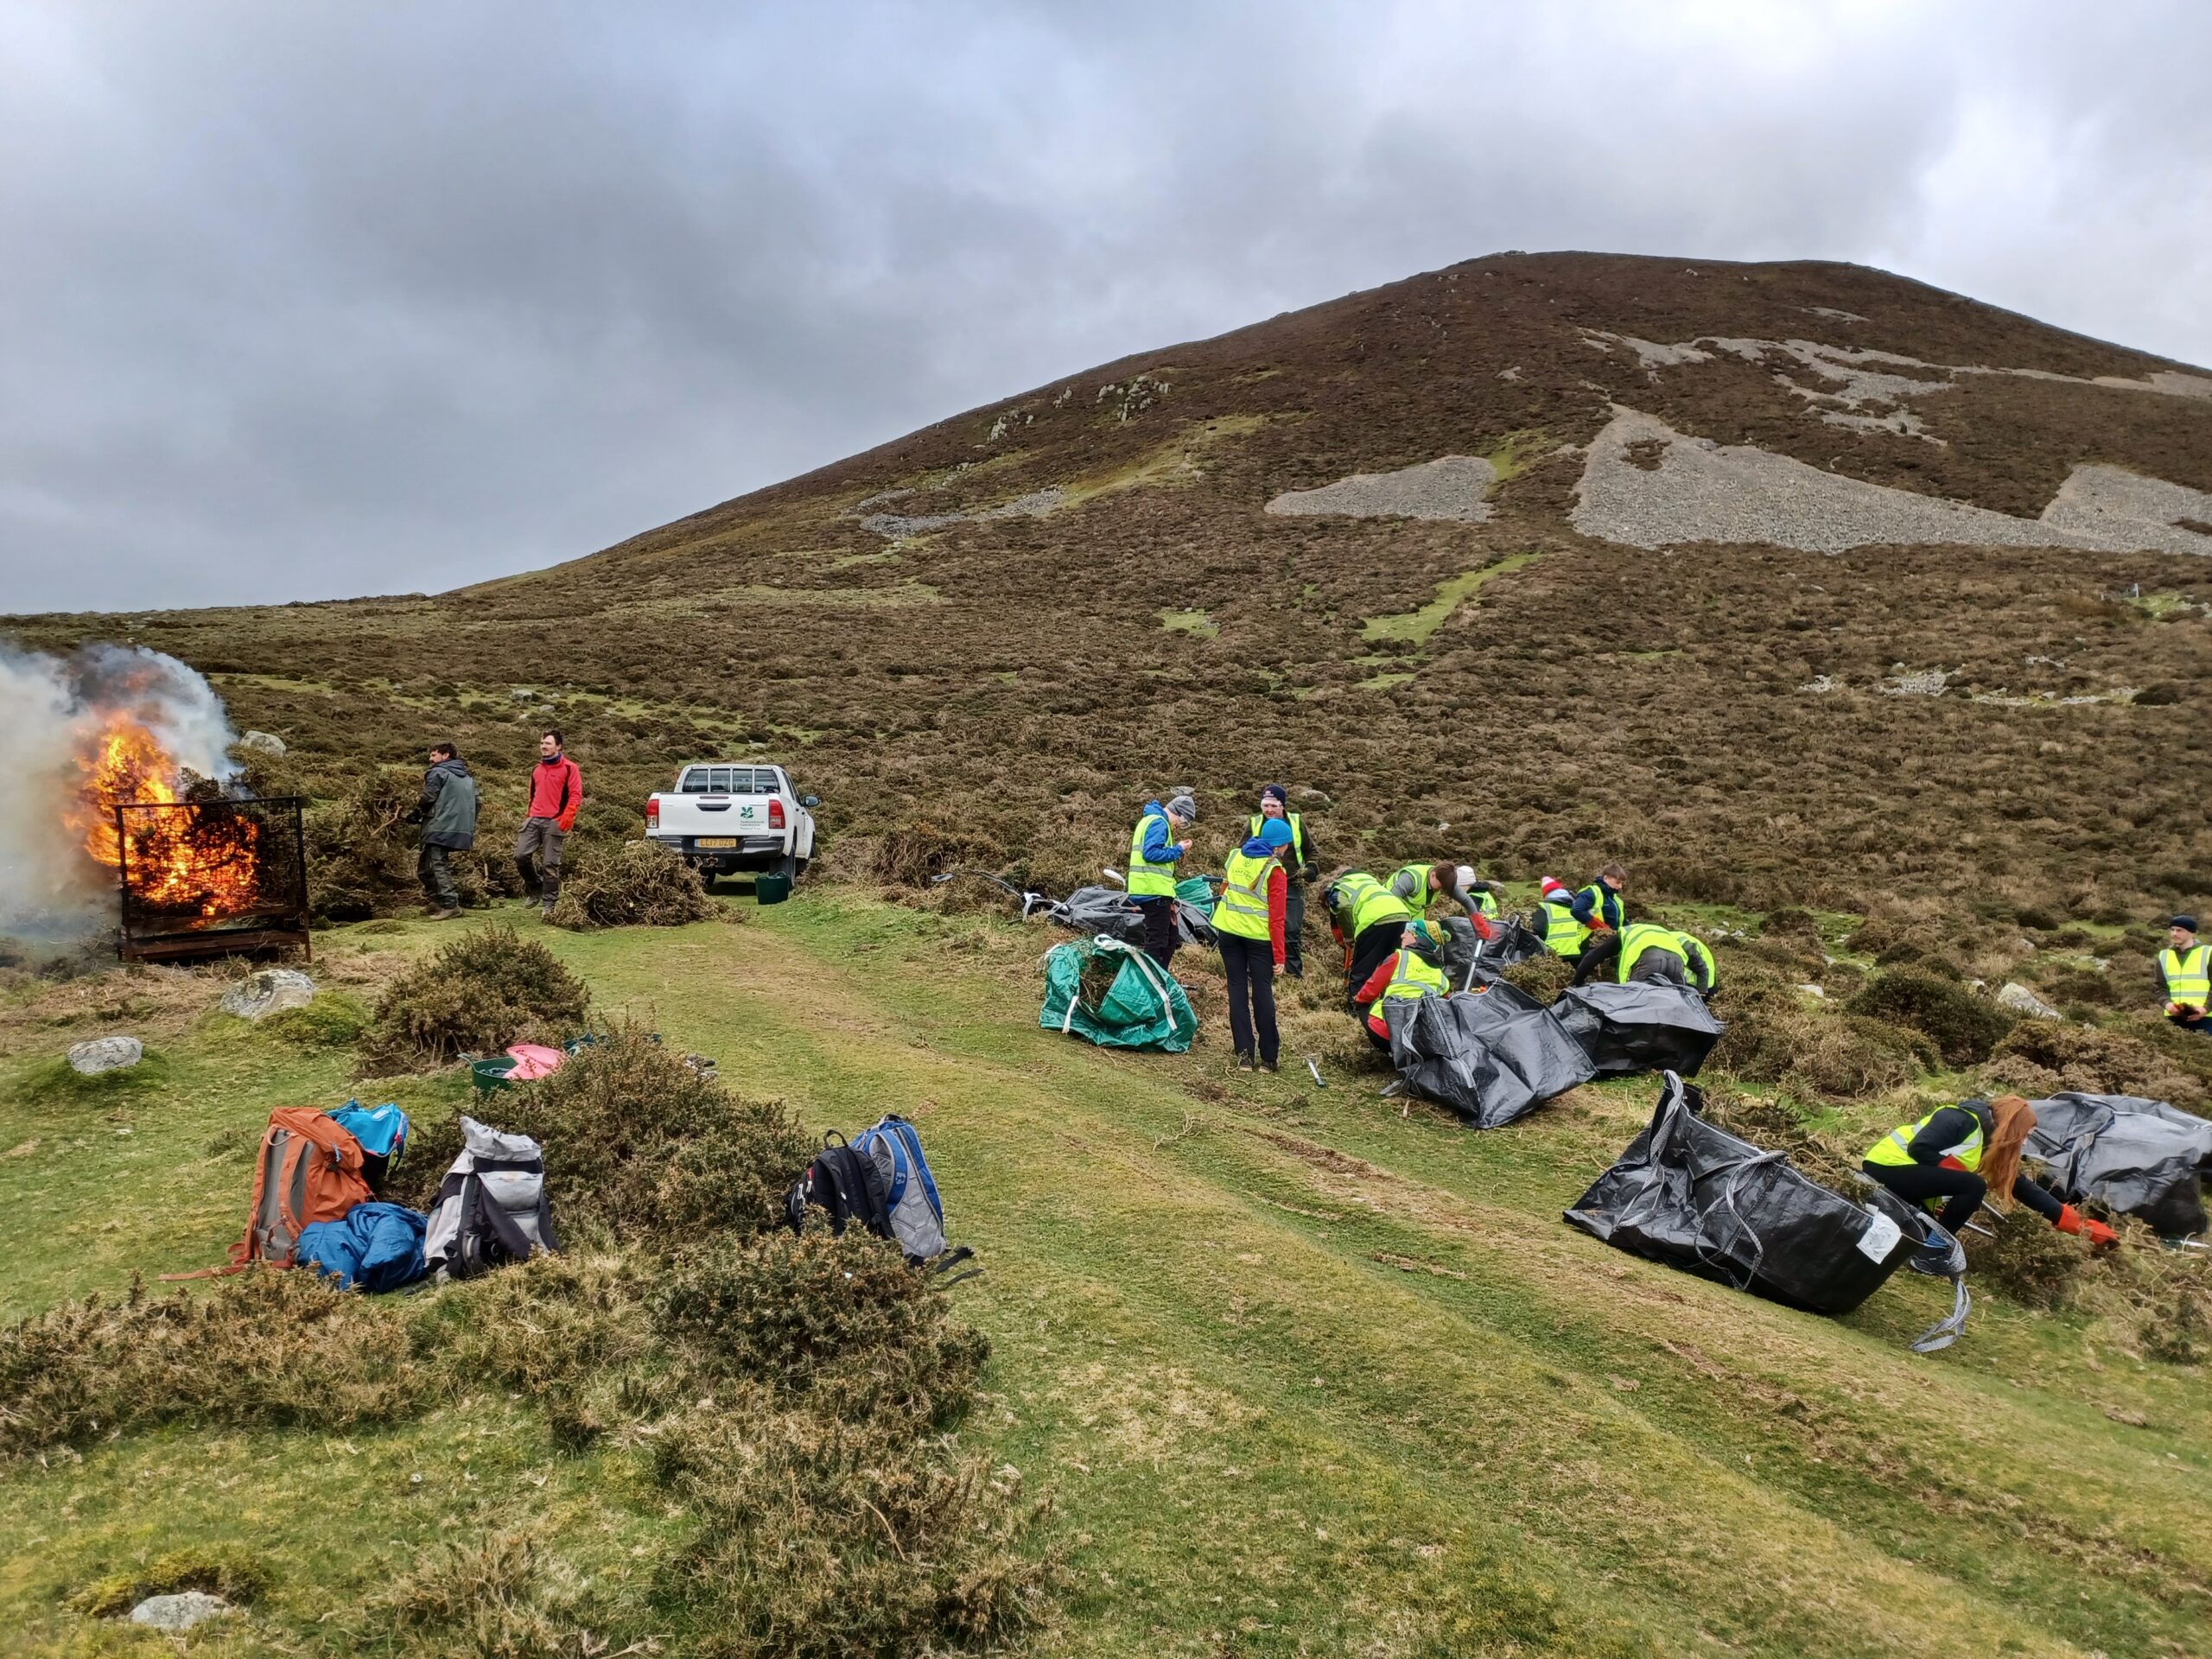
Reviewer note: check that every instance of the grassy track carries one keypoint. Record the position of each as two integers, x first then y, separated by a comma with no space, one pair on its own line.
1305,1375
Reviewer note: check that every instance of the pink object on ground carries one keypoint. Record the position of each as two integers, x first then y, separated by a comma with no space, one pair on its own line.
534,1060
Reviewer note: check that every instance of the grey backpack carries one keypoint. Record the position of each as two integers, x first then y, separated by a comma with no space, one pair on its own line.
492,1207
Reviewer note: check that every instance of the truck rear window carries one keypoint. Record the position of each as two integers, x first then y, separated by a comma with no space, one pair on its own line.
730,780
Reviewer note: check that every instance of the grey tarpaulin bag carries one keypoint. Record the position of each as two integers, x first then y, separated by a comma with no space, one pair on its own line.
1639,1027
1690,1194
492,1207
1492,1054
2134,1156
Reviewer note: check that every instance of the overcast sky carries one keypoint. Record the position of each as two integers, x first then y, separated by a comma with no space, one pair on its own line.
301,301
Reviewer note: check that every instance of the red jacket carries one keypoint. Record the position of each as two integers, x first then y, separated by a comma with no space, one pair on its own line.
1368,996
556,789
1278,903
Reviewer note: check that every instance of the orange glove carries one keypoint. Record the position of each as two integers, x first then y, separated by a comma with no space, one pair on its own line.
1953,1163
2071,1220
1483,930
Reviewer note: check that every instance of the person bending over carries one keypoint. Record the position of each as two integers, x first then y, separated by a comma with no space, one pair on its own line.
1413,970
1955,1157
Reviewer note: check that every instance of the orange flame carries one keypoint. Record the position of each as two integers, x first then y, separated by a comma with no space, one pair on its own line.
180,862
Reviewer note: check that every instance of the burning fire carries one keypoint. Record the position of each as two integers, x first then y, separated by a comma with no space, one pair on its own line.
202,862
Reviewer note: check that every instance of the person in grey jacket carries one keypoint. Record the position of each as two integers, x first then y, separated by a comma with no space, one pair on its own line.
447,812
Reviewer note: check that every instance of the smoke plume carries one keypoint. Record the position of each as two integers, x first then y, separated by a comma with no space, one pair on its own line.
53,711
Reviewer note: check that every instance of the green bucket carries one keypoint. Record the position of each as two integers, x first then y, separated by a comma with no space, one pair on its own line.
491,1074
773,889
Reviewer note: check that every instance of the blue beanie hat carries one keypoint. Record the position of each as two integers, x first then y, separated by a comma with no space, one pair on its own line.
1275,833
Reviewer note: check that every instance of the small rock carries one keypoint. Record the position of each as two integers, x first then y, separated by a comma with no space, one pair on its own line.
268,742
178,1612
267,991
1814,991
2023,1002
104,1054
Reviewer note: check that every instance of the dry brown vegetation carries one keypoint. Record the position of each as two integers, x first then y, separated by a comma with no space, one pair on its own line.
1009,678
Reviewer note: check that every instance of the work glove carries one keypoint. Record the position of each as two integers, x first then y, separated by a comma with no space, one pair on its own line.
2071,1220
1483,930
1953,1163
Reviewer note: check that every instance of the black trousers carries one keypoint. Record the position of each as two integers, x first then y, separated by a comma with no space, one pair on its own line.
1917,1183
1161,939
1369,951
1293,929
1250,965
436,867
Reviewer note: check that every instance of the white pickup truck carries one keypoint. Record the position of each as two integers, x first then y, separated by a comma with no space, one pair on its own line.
729,816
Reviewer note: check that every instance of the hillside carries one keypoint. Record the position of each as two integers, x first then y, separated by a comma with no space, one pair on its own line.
1015,624
1301,1376
1867,624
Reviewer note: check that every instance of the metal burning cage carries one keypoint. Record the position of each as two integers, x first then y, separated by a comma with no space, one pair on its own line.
212,877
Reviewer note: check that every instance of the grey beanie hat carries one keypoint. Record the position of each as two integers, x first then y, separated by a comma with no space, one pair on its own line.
1184,808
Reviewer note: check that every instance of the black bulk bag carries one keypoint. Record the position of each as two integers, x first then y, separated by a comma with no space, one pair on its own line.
1491,1054
2134,1156
1694,1196
1639,1026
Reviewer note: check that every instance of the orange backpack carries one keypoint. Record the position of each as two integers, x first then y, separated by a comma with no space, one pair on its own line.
310,1171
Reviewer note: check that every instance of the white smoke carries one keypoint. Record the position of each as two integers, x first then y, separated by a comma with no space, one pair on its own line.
51,711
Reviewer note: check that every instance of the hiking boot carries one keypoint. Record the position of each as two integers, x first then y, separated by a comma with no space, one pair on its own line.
1269,1067
449,913
545,911
1244,1062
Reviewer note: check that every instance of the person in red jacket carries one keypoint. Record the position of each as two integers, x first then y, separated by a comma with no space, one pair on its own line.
1414,969
556,789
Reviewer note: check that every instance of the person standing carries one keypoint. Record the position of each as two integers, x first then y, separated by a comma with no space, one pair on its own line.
446,810
1250,925
2186,974
1155,848
1413,970
556,789
1300,865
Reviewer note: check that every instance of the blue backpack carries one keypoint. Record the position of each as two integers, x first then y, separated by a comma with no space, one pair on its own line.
909,1189
382,1131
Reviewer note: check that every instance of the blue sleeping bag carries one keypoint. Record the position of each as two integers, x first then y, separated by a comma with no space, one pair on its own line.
376,1246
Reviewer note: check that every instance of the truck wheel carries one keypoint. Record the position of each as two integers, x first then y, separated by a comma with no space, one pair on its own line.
791,867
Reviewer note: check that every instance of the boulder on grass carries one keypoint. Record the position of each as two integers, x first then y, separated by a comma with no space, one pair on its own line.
102,1054
179,1611
2025,1003
267,743
267,991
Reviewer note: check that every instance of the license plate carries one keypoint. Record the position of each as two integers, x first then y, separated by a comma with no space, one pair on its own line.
707,844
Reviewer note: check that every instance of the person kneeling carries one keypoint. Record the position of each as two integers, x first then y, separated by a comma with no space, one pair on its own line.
1955,1156
1412,971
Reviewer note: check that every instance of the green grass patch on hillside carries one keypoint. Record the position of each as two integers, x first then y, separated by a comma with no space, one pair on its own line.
1304,1374
1416,628
1194,622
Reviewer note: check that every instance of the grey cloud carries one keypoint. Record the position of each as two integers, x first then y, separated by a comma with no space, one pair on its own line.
306,302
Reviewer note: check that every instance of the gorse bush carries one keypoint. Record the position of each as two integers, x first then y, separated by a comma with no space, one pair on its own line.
634,884
479,992
2041,1056
1963,1026
817,1314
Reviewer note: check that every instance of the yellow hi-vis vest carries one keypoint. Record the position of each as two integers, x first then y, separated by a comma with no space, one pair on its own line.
2189,974
1297,822
1413,979
1563,935
1368,901
1242,906
1894,1148
1599,892
1640,937
1149,881
1424,893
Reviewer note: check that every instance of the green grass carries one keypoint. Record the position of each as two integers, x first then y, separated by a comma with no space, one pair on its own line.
1194,622
1304,1375
1416,628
